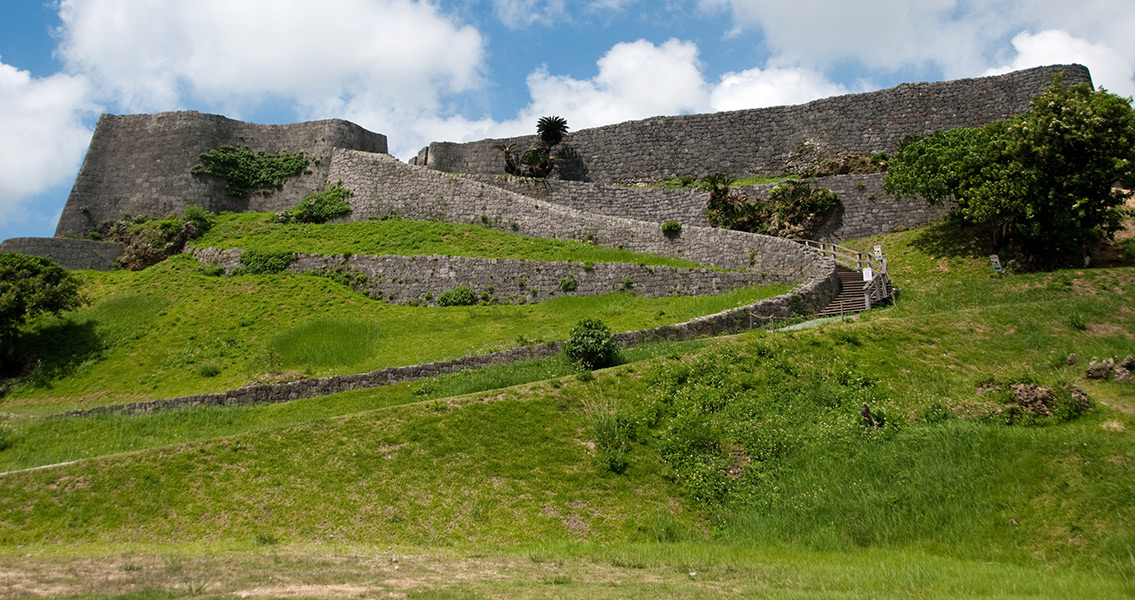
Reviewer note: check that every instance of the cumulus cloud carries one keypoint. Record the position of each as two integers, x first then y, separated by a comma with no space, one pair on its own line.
958,38
154,55
44,137
1109,68
757,88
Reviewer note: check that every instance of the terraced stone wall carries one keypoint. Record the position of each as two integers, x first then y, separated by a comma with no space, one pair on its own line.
70,254
867,210
384,186
139,164
421,279
763,141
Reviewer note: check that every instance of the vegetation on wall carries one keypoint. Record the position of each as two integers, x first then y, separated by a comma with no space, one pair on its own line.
1040,186
246,172
321,207
794,209
149,241
537,161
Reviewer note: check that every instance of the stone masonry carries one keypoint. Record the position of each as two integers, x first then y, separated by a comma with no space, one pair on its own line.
762,141
421,279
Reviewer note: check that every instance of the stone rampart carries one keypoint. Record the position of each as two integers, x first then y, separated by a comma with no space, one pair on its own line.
139,164
867,209
763,141
421,279
70,254
383,186
818,290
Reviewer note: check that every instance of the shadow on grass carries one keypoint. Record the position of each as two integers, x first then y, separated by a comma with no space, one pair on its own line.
53,352
953,239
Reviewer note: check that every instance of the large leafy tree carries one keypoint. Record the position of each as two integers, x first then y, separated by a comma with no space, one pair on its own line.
1043,183
29,286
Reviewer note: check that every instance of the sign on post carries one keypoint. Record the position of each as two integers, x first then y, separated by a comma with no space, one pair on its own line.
996,262
878,252
868,274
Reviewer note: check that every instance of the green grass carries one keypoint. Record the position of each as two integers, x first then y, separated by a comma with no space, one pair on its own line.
746,459
163,332
260,232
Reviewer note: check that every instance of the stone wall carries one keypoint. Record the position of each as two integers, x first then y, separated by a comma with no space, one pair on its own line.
70,254
139,164
383,186
866,210
735,320
762,141
420,279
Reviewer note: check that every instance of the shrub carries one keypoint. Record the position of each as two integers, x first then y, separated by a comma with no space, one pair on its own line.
591,345
245,172
30,286
256,262
202,219
671,228
794,209
321,207
568,284
458,296
213,271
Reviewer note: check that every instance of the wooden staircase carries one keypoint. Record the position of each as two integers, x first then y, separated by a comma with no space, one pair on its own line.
855,294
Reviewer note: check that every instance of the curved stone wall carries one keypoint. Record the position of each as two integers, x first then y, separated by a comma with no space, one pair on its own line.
421,279
139,164
867,209
383,186
70,254
761,141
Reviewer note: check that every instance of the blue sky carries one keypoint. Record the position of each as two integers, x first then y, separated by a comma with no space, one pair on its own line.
420,70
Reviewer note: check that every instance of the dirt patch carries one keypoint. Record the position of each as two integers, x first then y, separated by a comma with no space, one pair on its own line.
1108,330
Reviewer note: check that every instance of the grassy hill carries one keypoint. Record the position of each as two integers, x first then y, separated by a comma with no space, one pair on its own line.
728,467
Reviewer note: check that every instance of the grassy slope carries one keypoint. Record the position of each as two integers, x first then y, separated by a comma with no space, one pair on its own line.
836,508
157,333
257,231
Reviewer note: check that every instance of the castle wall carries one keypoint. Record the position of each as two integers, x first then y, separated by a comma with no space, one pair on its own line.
383,186
763,141
70,254
867,209
421,279
139,164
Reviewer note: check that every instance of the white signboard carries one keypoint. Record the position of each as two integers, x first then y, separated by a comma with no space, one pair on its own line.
868,274
996,262
878,252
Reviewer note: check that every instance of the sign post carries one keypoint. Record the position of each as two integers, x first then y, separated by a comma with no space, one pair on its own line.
996,262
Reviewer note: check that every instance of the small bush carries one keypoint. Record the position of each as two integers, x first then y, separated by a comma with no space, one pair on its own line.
321,207
591,345
458,296
1076,321
202,219
213,271
568,284
671,228
256,262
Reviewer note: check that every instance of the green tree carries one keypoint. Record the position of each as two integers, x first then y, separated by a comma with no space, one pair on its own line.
1042,184
30,286
591,345
537,161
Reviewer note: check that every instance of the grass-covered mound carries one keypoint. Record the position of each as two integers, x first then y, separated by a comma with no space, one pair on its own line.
171,330
731,467
261,233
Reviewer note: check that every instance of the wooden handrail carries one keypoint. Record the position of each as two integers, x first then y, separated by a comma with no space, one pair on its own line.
876,290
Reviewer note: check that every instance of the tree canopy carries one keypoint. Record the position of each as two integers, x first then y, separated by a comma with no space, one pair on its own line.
1043,183
29,286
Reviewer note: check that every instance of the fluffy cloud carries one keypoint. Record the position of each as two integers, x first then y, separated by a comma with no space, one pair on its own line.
958,38
233,53
44,137
756,88
1109,68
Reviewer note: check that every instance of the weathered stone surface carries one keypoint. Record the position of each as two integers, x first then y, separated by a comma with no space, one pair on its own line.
1100,369
762,141
139,164
70,254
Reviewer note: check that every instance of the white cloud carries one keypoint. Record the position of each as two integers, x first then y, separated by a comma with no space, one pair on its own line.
961,38
156,55
757,88
44,137
518,14
1109,68
635,80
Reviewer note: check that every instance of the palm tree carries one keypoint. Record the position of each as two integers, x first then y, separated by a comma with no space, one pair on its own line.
551,130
